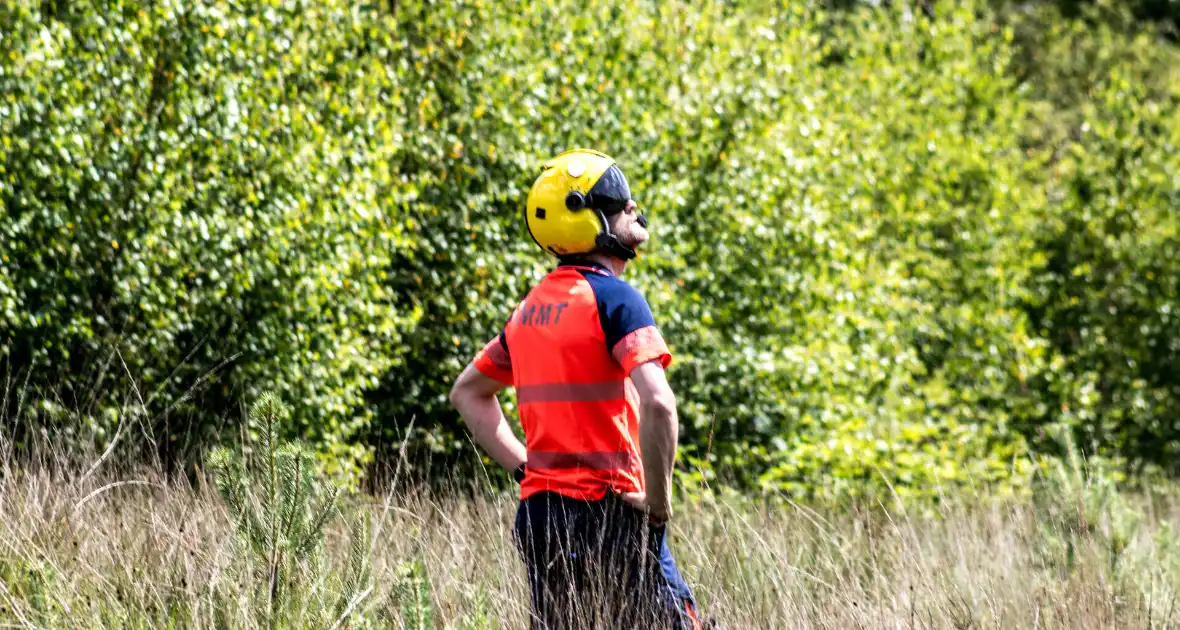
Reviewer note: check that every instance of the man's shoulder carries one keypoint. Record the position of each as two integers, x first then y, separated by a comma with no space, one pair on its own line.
622,309
612,291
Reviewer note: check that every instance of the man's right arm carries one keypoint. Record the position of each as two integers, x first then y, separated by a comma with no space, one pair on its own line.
474,396
659,429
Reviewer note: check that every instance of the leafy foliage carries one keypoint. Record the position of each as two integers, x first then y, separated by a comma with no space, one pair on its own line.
1109,243
205,190
894,248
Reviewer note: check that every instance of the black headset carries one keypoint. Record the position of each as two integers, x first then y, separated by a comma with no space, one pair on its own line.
576,200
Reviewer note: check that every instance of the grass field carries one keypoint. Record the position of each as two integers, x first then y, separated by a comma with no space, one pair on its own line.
134,550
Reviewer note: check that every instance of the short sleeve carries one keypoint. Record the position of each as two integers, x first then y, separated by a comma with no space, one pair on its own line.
641,346
631,334
494,361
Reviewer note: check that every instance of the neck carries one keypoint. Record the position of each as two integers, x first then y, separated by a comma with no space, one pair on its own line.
615,265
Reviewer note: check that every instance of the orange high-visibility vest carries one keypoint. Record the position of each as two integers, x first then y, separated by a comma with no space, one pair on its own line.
568,350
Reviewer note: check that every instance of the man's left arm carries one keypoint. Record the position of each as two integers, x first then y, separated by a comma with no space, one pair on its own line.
474,397
642,354
659,430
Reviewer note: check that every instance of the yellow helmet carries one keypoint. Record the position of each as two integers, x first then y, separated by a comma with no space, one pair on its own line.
568,207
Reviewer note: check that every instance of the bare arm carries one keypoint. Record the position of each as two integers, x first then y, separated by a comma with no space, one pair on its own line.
474,396
658,431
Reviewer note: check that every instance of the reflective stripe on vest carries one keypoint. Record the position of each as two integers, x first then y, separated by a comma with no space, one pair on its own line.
597,460
570,392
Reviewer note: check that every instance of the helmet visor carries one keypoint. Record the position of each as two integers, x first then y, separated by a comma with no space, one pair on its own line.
610,193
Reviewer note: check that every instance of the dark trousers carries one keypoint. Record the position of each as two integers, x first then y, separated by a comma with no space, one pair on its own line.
599,564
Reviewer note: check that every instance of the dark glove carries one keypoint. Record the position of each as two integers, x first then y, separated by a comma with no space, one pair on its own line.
518,474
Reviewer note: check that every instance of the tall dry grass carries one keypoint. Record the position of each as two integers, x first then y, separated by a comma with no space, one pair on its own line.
132,549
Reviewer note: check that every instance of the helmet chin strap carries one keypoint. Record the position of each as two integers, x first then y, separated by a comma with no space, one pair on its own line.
608,243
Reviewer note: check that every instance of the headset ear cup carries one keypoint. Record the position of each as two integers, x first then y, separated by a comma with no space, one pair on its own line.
575,200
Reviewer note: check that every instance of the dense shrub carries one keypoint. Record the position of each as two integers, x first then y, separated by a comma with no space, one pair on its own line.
892,247
204,191
1104,293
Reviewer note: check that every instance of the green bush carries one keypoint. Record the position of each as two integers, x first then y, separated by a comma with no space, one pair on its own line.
888,242
1104,294
204,191
811,327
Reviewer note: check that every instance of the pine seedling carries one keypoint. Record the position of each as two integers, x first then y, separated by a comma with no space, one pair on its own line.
279,507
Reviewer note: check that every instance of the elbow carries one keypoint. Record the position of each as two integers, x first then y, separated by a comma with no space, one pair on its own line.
461,402
458,395
467,400
662,406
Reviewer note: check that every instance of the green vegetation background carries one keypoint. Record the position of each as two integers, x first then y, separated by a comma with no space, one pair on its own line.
894,247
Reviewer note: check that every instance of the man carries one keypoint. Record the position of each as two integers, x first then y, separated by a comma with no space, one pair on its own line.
600,424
